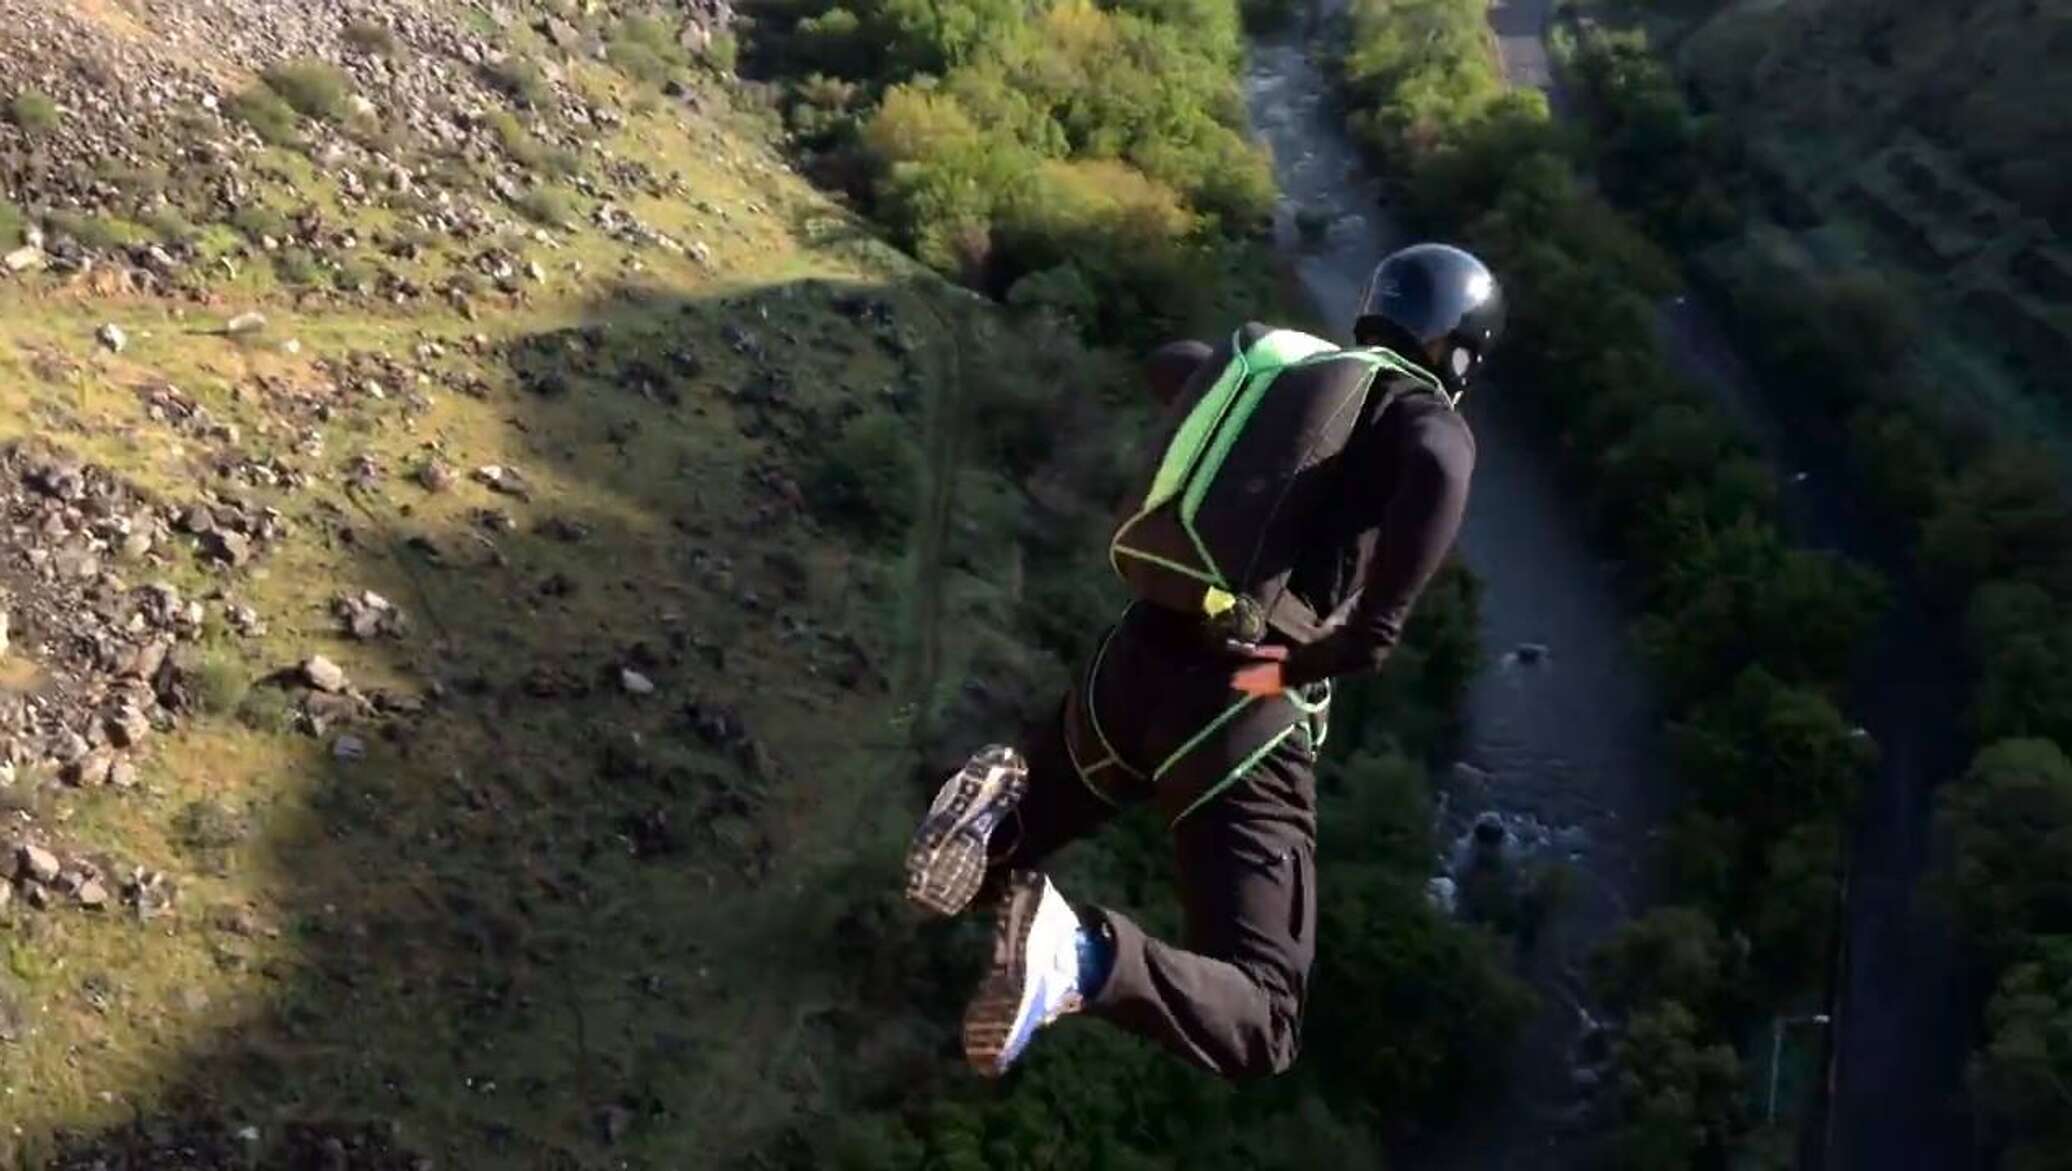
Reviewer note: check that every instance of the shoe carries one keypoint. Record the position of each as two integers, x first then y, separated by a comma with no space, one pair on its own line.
946,860
1034,979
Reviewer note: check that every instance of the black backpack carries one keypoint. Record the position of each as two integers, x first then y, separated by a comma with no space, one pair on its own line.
1201,536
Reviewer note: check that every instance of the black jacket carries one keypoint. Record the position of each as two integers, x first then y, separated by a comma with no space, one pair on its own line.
1402,491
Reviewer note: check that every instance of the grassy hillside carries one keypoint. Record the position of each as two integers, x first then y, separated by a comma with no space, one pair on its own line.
495,561
560,868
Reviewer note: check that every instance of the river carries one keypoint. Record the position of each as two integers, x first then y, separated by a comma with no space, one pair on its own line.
1561,737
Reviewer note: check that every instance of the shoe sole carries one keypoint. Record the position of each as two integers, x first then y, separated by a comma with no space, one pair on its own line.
946,861
989,1020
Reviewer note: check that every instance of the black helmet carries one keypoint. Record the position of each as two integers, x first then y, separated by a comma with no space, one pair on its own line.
1428,293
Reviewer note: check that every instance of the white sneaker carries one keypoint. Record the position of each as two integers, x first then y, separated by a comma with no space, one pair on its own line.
1034,979
946,860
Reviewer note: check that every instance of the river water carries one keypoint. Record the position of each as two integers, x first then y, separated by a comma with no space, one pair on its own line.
1561,739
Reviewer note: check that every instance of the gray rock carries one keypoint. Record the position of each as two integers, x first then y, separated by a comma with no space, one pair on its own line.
232,549
92,770
77,561
26,259
349,747
323,674
123,775
435,476
244,324
635,683
37,864
92,895
112,338
128,727
68,746
504,480
4,632
144,664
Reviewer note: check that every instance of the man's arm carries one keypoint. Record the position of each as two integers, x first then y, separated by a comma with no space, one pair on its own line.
1419,519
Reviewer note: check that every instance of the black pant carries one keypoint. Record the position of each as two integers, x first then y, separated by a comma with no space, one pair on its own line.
1152,719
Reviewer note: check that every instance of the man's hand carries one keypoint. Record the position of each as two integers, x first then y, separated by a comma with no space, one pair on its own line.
1261,677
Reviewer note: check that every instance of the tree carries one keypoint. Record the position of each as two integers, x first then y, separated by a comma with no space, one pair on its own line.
1770,755
2022,1076
1677,1099
1670,953
2004,516
2010,823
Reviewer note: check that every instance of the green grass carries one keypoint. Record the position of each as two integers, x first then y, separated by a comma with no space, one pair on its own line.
12,224
97,231
552,206
33,111
314,89
442,845
526,149
269,116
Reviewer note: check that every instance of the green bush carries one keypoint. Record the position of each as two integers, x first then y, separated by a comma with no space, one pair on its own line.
257,221
553,206
33,112
96,231
870,478
270,117
220,682
355,276
371,38
723,52
646,49
171,225
525,149
520,80
297,266
314,89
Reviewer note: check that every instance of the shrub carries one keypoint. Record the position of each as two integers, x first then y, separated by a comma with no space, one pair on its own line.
870,478
355,276
96,231
33,111
520,80
723,52
525,149
297,266
220,683
271,118
371,38
257,220
170,225
552,206
314,89
12,224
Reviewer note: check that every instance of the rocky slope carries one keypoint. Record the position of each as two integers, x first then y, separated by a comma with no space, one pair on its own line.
443,722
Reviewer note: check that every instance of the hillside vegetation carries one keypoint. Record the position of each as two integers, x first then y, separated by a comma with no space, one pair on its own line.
1932,136
495,561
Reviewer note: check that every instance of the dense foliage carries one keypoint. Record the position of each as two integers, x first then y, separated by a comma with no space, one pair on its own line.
1752,638
1087,159
1992,530
1087,163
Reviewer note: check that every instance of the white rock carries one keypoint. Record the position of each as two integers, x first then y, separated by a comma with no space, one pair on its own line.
112,336
635,683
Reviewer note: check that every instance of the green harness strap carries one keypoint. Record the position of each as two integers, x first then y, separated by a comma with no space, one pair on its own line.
1205,438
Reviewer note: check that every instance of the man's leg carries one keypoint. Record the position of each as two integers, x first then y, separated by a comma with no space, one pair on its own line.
1004,810
1231,1000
